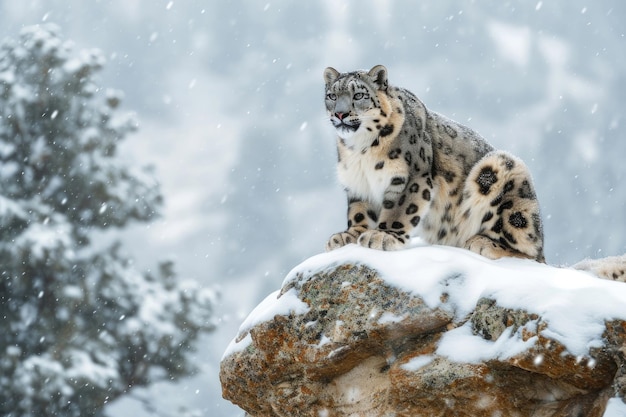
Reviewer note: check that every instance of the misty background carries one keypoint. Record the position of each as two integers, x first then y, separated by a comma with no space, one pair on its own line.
229,97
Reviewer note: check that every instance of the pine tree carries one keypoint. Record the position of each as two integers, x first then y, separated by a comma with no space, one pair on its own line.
79,326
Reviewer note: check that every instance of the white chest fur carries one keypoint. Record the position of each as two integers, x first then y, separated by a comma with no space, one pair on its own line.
357,172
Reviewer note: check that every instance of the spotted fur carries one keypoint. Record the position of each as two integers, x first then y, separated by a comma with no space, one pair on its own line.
612,267
409,171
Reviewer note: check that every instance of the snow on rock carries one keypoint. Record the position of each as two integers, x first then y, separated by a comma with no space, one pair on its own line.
575,303
431,328
615,408
273,305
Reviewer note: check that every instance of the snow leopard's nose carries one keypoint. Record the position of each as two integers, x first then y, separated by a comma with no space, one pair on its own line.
340,115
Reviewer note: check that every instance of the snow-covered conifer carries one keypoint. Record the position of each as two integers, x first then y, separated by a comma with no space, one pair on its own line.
80,326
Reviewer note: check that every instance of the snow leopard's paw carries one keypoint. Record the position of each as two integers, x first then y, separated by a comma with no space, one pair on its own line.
382,240
344,238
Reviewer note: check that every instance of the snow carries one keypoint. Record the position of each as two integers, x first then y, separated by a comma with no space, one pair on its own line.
417,362
43,239
422,47
9,207
236,346
615,408
84,368
575,304
324,340
387,317
273,305
461,345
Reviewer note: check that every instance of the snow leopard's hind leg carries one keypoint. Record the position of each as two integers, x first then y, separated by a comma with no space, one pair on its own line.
500,203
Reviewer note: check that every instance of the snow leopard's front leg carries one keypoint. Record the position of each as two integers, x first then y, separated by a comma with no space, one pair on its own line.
406,202
360,218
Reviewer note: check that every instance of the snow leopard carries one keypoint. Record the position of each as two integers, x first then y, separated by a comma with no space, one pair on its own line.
409,171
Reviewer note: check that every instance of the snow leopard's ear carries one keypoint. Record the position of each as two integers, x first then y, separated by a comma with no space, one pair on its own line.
330,75
378,74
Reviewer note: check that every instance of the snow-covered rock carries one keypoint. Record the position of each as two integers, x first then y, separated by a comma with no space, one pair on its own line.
431,331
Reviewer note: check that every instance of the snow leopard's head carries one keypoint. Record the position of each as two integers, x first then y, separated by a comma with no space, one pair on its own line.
352,100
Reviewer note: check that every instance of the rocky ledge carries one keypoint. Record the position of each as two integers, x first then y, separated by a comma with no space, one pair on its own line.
431,331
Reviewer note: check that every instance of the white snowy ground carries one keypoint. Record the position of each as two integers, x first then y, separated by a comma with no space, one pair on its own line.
574,303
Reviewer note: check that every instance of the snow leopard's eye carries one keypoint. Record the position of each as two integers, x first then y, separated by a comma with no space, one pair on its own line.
331,96
361,96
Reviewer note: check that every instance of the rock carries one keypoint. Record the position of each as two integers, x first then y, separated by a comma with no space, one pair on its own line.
359,345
